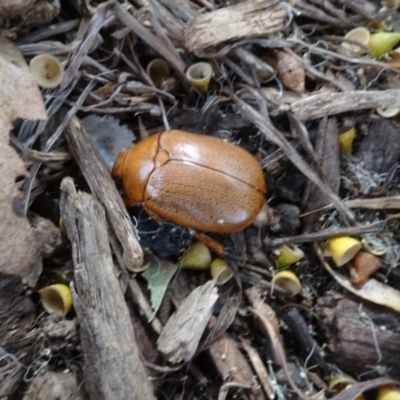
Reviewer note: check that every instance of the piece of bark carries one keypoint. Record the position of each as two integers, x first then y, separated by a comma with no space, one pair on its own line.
380,148
381,203
359,342
232,365
113,369
324,235
246,20
50,385
327,154
102,186
17,335
182,333
258,367
321,105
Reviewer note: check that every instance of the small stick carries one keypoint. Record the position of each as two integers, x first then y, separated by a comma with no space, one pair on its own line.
102,186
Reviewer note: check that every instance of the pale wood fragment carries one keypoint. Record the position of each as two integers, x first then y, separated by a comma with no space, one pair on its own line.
113,368
182,333
259,367
320,105
103,187
232,366
249,19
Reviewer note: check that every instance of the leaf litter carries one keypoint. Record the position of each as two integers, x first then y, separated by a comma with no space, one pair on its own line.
284,87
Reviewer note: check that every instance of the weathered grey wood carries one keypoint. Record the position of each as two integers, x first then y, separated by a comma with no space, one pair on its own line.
355,337
320,105
249,19
113,368
102,186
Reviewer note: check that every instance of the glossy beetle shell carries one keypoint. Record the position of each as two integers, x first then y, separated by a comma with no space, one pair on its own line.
200,182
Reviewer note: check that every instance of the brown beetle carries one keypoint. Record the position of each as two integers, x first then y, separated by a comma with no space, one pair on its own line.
199,182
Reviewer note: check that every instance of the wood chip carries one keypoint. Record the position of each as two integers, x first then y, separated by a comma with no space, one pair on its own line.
380,149
113,366
352,340
182,332
102,185
320,105
249,19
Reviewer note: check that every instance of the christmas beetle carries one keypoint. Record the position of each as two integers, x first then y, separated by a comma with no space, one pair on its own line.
199,182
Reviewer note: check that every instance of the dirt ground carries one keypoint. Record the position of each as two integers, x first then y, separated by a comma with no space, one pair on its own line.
200,199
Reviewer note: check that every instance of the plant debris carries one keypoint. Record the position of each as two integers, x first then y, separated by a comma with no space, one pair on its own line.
309,88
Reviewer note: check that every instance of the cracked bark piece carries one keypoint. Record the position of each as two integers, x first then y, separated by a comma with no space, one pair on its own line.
380,149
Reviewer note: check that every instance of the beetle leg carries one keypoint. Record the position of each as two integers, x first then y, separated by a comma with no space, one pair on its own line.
218,248
153,215
210,242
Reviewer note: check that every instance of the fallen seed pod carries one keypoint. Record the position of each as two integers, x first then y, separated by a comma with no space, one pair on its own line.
346,140
360,35
287,280
339,382
343,249
393,3
157,70
56,299
199,75
288,255
197,257
382,42
220,271
395,54
388,392
47,70
377,249
388,112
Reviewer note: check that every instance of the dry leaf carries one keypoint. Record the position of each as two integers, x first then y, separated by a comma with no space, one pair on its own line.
181,335
19,98
158,275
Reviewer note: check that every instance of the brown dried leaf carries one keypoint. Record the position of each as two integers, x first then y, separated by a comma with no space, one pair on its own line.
19,98
182,332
